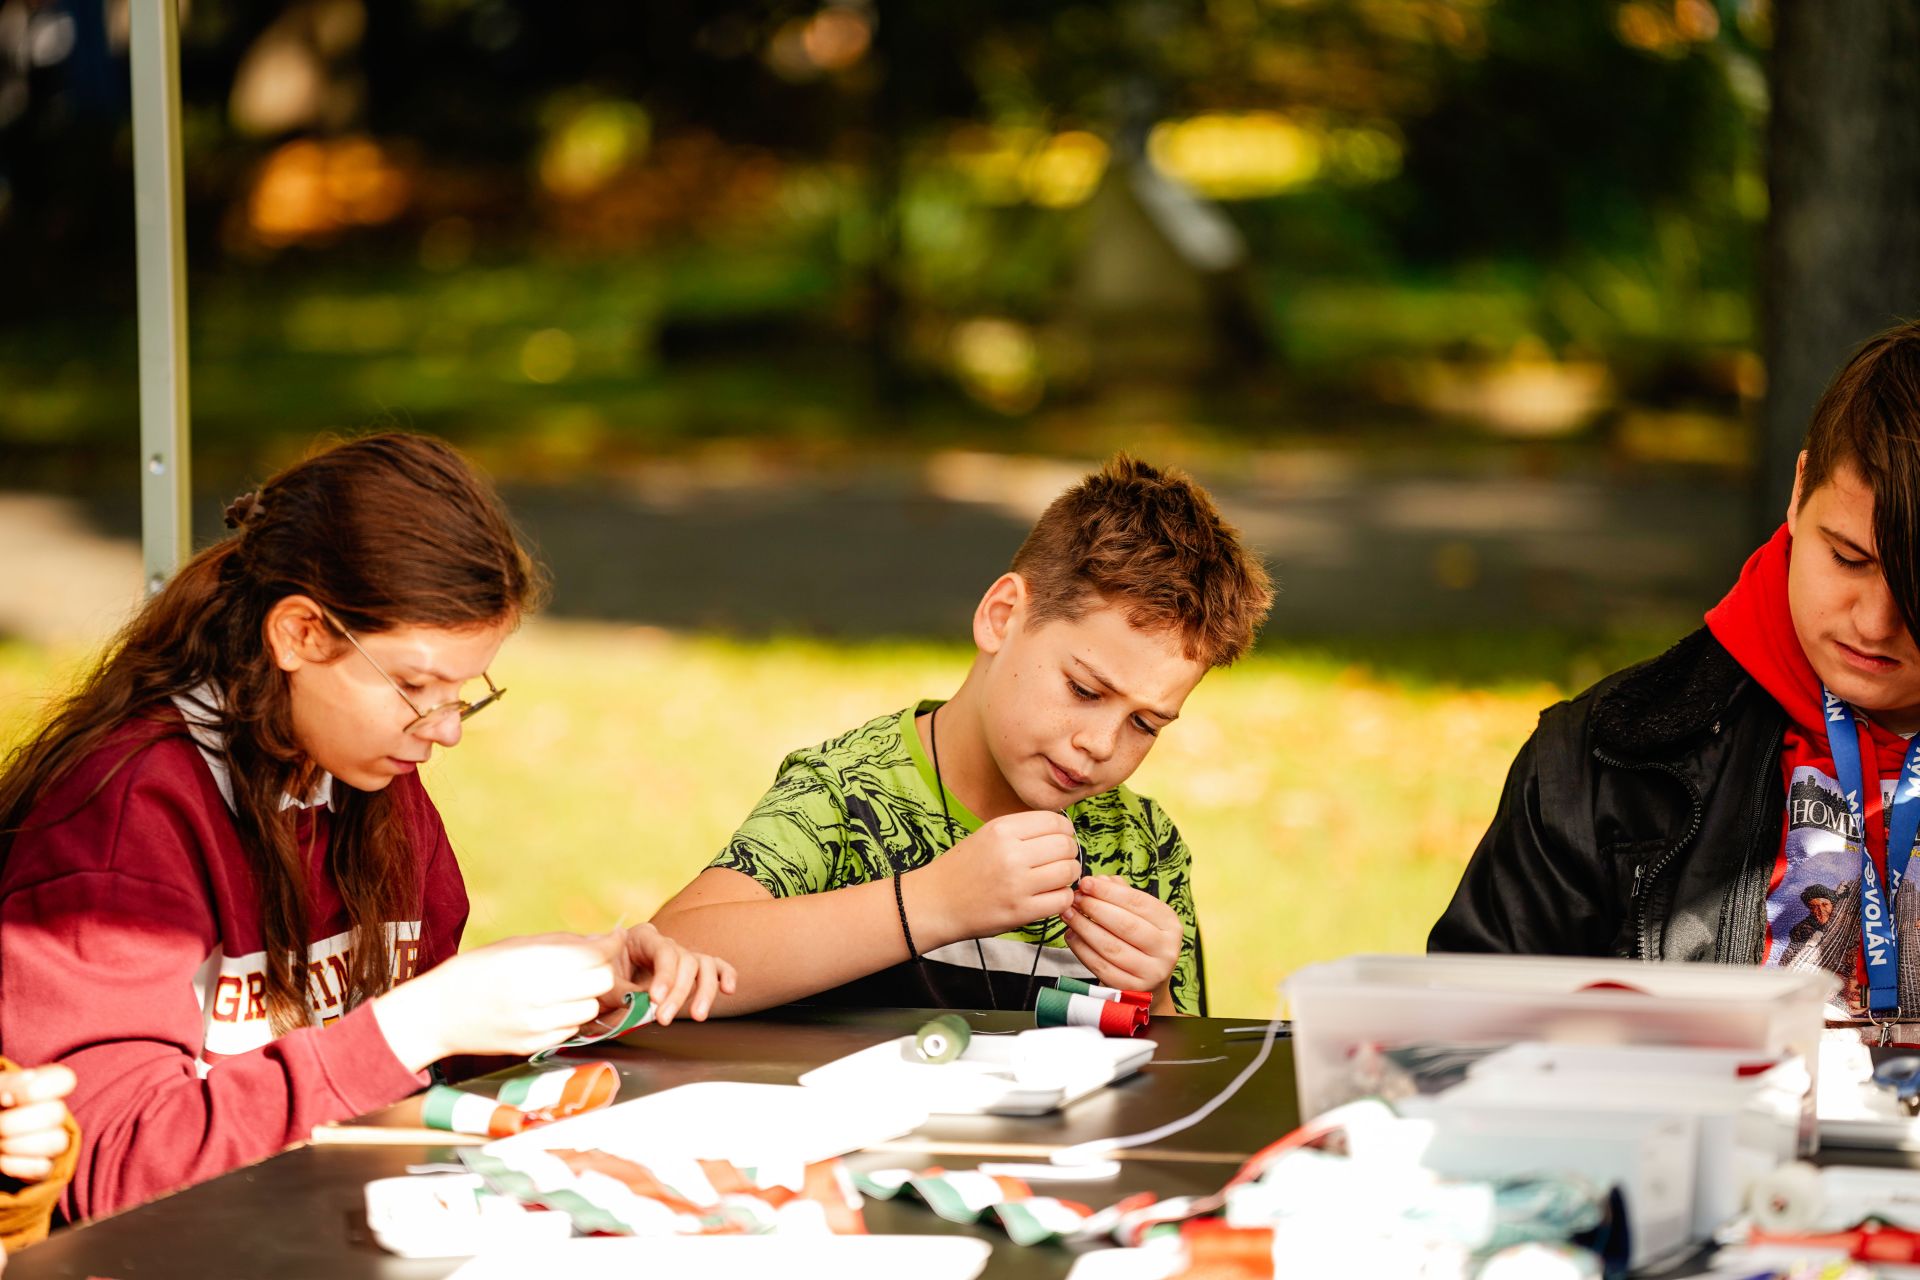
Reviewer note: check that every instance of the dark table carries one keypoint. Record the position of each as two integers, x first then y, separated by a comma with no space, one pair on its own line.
301,1213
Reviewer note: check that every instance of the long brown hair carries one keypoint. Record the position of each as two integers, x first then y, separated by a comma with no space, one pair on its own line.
385,531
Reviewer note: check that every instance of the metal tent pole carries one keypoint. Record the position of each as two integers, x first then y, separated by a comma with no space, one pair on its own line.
166,536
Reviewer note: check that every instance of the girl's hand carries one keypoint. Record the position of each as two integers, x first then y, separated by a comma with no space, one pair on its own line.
673,977
33,1120
514,997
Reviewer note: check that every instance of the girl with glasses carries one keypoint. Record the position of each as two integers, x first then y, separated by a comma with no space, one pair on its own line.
226,901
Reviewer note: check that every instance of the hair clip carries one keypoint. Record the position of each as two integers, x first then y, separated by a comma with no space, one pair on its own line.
241,507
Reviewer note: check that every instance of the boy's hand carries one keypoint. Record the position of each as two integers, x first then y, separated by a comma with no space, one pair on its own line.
1012,871
1130,939
673,977
33,1120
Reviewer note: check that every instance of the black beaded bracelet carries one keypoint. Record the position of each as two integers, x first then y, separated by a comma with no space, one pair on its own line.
900,900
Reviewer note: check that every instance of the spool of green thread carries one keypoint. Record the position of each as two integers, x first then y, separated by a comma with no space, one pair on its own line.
943,1039
1050,1009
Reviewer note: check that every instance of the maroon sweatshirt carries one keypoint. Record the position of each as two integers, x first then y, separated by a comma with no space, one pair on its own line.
130,950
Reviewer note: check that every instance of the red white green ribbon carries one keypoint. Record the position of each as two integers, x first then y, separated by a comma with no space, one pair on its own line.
1061,1007
526,1101
1080,986
639,1013
966,1196
610,1194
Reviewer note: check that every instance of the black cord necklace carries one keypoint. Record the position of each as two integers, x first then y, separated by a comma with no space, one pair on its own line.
946,817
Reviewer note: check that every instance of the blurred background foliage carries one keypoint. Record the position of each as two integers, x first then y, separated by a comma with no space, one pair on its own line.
581,233
781,321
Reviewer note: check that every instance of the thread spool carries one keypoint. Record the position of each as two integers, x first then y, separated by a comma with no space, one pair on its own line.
1081,987
1787,1201
1058,1008
943,1039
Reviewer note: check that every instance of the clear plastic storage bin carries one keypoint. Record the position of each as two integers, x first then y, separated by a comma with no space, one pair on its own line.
1381,1025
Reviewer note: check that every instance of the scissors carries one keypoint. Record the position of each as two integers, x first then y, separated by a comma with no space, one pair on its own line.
1902,1075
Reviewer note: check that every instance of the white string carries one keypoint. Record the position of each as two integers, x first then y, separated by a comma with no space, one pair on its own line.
1101,1148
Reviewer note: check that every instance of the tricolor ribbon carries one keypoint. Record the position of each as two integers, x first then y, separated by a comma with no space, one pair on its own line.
1288,1183
526,1101
967,1195
639,1013
1115,1015
606,1193
1080,986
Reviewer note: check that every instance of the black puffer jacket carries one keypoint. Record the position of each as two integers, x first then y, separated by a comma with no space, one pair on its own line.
1642,818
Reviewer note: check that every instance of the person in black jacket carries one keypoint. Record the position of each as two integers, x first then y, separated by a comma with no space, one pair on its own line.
1682,809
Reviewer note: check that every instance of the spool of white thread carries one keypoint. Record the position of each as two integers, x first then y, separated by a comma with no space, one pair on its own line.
1787,1201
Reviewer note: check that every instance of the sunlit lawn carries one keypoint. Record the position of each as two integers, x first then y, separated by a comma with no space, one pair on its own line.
1330,805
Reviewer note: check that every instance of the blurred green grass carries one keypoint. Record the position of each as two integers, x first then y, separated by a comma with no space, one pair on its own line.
1331,794
559,364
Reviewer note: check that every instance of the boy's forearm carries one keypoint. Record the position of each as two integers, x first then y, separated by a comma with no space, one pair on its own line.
785,949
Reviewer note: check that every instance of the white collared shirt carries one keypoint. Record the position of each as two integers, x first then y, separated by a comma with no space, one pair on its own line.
200,707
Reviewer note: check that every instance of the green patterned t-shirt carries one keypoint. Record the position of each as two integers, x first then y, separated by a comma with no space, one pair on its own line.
865,805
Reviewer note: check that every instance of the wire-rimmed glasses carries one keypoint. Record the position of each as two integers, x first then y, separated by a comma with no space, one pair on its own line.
432,715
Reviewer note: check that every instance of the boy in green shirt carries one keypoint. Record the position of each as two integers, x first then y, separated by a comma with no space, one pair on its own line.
960,854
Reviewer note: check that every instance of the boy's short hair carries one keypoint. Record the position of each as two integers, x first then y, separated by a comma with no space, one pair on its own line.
1152,543
1869,419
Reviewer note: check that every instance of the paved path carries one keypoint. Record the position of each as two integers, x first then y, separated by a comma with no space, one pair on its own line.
904,549
64,581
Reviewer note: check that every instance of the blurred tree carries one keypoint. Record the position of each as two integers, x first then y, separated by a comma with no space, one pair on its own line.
1843,236
1563,137
925,159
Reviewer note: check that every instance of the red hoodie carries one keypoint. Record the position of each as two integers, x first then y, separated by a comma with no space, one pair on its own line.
1755,625
130,950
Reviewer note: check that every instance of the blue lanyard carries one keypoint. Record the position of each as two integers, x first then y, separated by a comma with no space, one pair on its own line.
1879,941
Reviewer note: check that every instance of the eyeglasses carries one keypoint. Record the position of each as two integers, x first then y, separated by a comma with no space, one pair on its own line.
432,715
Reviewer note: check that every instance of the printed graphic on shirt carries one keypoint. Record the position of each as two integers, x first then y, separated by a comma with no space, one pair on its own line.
232,990
1813,914
859,808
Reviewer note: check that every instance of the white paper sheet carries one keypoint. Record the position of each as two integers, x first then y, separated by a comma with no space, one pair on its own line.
751,1125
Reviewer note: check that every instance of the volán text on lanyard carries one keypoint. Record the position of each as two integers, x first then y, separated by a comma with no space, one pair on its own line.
1879,940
